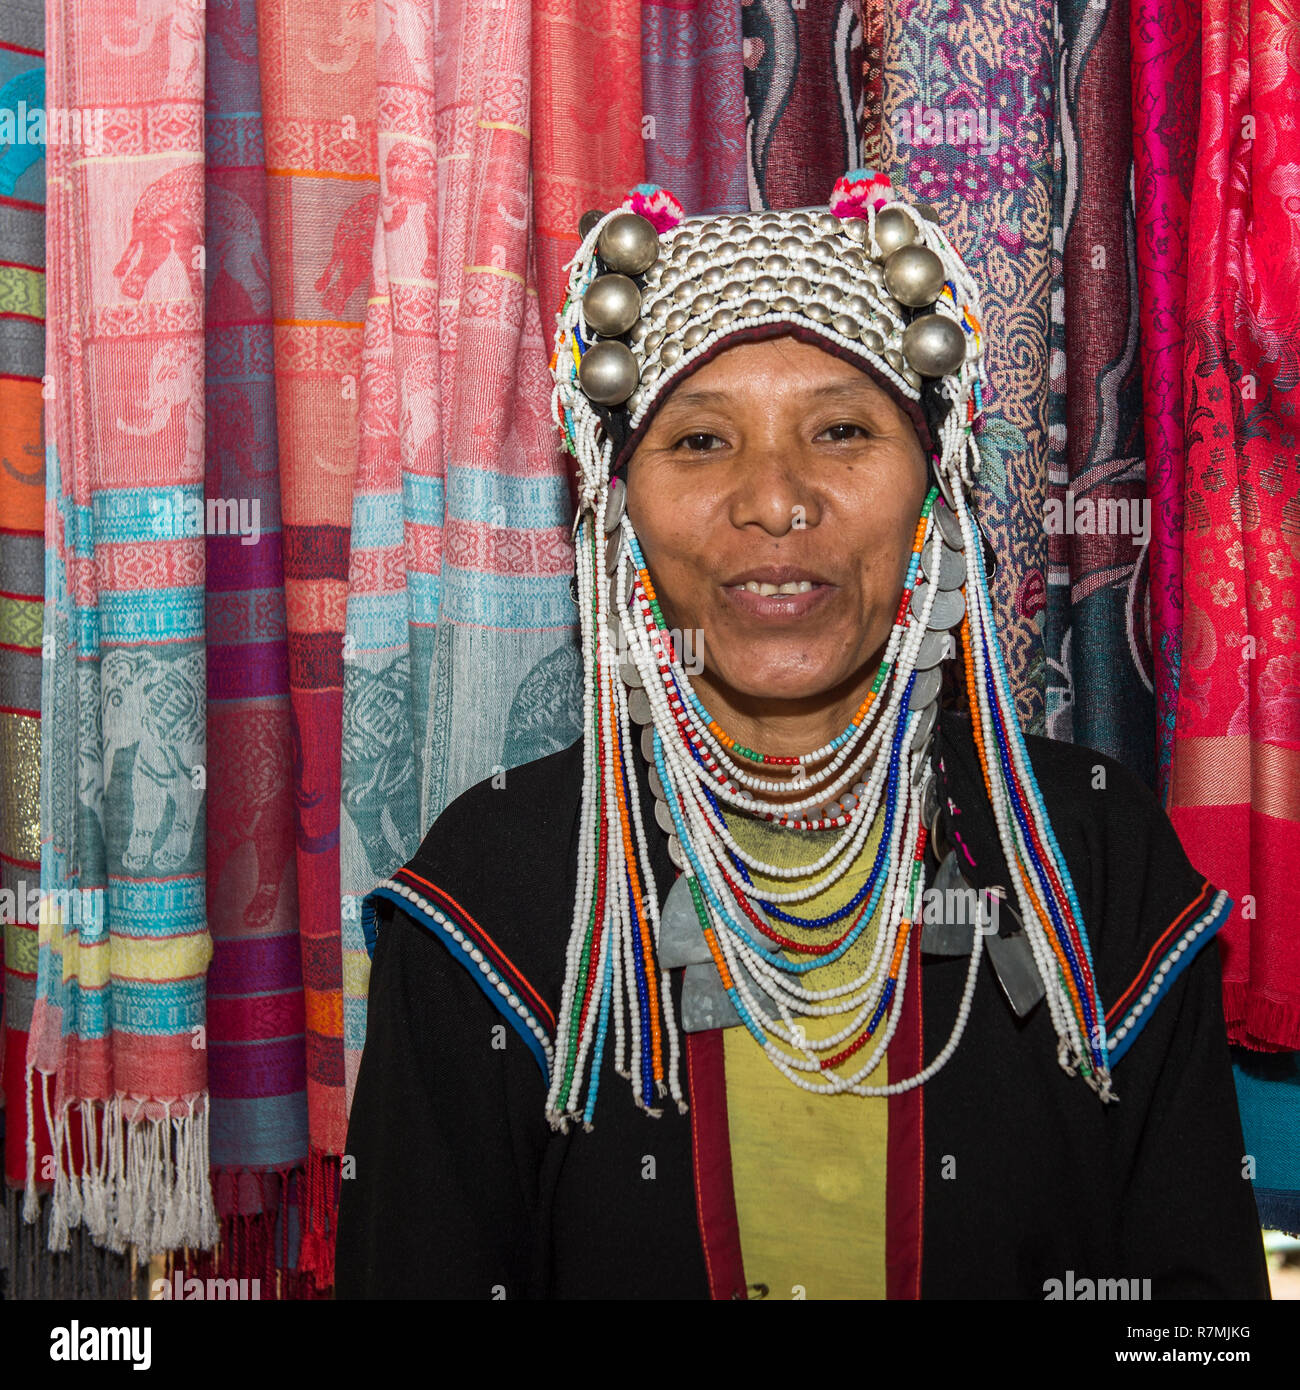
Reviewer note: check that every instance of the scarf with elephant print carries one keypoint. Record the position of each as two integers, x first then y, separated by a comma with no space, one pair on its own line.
116,1056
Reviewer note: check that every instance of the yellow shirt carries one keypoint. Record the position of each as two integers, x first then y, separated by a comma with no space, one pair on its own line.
808,1170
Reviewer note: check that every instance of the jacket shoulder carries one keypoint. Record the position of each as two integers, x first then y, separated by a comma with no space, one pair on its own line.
493,881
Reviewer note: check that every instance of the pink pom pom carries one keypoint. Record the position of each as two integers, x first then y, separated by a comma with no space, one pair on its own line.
859,190
656,205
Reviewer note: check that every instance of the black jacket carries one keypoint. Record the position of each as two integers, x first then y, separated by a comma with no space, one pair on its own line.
1022,1176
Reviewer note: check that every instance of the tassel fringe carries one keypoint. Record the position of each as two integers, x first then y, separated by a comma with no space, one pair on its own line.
144,1183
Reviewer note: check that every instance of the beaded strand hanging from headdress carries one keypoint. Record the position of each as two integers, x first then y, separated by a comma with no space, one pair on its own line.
651,295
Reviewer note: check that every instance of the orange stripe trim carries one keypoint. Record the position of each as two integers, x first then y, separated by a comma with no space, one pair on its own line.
339,174
318,323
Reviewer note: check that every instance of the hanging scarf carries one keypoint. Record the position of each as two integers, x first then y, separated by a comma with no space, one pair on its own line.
117,1042
585,71
692,80
22,497
318,103
1166,42
1099,687
872,135
459,658
992,200
1235,771
1268,1097
256,1059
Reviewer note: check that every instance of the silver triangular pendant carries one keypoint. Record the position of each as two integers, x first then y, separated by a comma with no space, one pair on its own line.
681,941
1017,971
954,933
706,1005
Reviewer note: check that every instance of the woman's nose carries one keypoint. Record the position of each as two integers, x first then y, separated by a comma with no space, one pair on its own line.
772,487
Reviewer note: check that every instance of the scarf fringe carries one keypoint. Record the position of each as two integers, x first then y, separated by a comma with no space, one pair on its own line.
262,1244
144,1182
1252,1019
258,1249
319,1216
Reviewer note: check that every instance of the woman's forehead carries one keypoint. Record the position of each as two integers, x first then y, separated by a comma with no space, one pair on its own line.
778,369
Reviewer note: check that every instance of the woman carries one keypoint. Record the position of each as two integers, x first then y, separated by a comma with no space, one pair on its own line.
909,1005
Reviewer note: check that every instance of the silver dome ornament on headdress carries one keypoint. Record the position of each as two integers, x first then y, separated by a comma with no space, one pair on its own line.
934,345
628,243
608,373
914,275
611,305
894,229
588,222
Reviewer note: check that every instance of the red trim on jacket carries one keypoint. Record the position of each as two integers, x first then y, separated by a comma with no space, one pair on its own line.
905,1146
715,1192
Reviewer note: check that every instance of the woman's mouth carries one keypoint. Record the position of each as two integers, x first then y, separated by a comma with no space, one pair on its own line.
773,598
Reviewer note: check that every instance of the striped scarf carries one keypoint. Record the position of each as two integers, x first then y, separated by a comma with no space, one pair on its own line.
256,1026
22,496
117,1052
317,67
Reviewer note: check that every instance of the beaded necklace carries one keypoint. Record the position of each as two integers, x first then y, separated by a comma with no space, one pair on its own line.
715,920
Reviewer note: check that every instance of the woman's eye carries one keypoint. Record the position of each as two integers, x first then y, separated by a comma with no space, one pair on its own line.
698,443
843,431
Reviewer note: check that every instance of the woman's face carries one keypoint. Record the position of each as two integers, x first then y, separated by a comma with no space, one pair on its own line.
779,464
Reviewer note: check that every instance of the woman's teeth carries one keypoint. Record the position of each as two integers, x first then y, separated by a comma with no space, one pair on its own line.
795,586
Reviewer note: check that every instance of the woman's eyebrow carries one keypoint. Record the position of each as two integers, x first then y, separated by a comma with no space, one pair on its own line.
691,399
863,390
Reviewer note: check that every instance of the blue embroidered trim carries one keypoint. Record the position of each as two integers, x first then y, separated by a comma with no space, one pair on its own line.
464,949
1166,970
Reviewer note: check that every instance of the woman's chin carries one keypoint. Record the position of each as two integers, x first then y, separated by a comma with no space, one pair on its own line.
779,679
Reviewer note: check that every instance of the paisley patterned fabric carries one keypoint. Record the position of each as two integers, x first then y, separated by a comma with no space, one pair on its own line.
1099,683
803,98
693,89
968,127
1236,756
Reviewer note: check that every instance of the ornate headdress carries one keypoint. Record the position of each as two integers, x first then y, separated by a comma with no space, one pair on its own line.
652,295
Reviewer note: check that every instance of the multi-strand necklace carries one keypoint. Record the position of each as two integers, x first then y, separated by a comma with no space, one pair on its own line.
617,990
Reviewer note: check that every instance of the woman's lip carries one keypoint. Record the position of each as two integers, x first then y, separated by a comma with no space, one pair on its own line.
777,605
